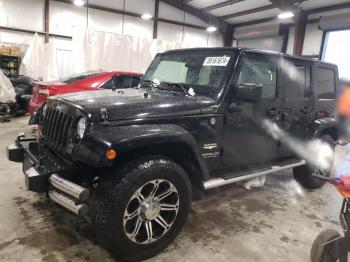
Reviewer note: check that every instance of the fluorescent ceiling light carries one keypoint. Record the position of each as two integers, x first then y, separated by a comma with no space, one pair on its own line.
211,29
79,2
146,16
285,15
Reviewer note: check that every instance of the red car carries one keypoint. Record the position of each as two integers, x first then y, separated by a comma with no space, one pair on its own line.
87,81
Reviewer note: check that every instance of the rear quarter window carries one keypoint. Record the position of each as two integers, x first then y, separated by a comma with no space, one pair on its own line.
325,83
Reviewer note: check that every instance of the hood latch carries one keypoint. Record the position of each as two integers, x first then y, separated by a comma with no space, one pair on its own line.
104,116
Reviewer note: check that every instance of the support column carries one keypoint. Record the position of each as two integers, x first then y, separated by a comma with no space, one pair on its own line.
284,32
155,20
299,35
47,20
228,36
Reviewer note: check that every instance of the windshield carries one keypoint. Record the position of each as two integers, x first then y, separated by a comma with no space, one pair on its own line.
80,76
204,71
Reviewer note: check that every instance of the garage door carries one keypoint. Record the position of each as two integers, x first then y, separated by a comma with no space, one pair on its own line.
271,43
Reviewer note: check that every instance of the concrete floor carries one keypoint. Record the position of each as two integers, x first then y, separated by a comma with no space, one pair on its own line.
274,223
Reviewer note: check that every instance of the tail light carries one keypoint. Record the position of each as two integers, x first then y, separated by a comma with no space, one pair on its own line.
44,92
40,93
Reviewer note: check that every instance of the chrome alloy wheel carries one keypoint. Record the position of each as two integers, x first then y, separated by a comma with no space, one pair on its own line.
151,211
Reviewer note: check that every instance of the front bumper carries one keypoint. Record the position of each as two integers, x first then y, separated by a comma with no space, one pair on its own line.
25,150
38,163
43,169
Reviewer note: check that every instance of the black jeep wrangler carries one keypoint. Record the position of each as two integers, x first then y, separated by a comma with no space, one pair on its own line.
128,159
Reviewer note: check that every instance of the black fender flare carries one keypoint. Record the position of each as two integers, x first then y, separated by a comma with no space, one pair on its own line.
317,128
94,145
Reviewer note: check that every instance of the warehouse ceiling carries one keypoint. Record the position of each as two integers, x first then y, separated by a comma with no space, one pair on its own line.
242,12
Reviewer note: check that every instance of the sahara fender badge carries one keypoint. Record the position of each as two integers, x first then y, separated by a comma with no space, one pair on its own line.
211,155
210,146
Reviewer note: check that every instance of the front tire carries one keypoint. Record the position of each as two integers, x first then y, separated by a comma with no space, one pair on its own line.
324,249
140,208
304,174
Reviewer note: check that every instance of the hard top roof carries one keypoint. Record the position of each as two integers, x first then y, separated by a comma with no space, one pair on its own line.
239,49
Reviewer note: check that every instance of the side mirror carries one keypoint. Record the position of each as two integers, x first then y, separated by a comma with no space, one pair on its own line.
249,92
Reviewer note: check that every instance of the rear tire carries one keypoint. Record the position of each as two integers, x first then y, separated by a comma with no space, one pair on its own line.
303,174
119,207
322,252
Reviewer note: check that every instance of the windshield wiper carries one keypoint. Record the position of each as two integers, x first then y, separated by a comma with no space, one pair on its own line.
163,85
147,83
187,91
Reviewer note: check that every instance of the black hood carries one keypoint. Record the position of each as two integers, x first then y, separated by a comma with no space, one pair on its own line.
134,103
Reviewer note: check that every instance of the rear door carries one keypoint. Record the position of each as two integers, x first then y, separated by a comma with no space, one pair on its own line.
325,87
296,97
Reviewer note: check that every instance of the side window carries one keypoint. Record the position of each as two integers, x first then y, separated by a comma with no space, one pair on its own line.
325,83
261,72
122,82
108,84
296,80
127,81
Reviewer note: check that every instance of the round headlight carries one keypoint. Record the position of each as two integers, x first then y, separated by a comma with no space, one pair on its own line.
45,109
81,127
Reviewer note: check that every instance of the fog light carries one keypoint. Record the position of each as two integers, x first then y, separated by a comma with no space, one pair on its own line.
111,154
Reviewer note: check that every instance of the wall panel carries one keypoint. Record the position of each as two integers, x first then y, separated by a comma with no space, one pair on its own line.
105,21
65,18
313,39
140,7
26,14
137,27
169,32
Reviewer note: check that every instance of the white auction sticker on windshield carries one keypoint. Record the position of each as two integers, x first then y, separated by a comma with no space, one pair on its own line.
216,61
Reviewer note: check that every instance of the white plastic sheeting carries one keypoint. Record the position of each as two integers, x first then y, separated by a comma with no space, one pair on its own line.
40,60
96,50
7,92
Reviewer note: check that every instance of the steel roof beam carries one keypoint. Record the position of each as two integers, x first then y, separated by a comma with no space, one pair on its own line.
221,4
248,12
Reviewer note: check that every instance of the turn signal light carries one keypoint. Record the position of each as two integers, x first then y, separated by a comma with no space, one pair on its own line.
111,154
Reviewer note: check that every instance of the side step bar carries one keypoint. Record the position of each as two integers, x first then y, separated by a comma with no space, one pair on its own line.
216,182
68,194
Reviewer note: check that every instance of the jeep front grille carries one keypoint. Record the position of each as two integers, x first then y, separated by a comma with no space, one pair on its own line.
56,128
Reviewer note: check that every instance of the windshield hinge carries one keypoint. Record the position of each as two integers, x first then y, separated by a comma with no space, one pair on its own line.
104,116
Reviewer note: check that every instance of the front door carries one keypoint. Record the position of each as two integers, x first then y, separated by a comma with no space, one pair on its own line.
246,144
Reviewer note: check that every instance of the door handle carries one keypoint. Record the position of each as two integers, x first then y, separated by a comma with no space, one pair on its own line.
306,110
287,110
272,111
